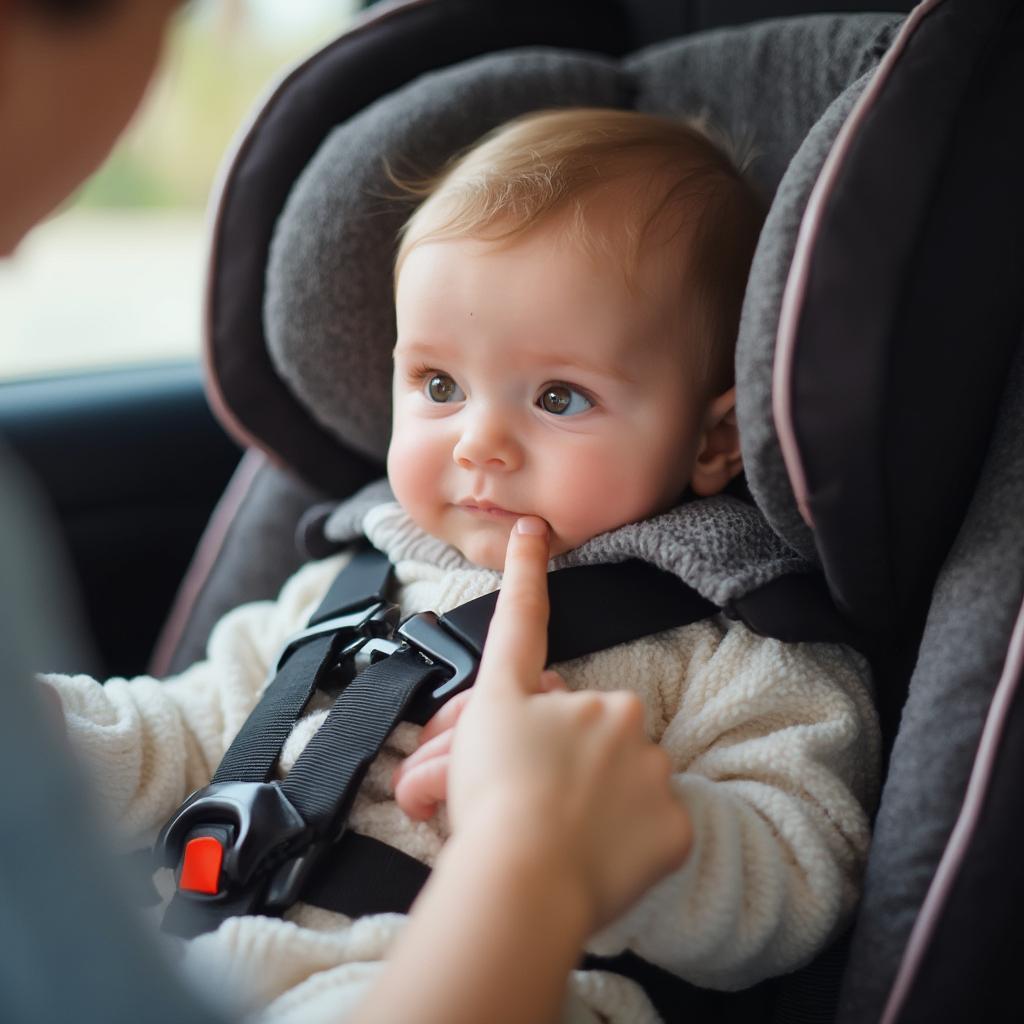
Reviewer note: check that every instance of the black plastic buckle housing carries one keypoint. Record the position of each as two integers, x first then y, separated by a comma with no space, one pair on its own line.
265,831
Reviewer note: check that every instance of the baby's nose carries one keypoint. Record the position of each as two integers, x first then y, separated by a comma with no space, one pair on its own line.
487,443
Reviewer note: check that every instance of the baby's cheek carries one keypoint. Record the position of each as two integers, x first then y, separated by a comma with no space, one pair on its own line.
413,473
599,491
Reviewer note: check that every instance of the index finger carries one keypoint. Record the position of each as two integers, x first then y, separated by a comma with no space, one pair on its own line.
517,642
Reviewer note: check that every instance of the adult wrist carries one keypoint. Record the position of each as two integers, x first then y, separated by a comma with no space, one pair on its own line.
528,872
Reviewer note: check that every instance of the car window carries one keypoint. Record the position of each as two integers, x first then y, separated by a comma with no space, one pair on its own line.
116,277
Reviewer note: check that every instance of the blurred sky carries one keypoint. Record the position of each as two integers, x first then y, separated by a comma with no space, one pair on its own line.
278,16
274,18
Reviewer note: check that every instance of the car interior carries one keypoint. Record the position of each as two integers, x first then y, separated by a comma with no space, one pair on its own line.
178,489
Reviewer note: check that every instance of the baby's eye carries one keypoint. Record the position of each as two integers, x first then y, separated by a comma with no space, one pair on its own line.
562,400
439,387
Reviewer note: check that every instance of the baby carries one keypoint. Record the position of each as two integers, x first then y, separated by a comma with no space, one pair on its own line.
567,302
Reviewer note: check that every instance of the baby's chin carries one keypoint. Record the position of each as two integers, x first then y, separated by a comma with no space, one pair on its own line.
485,549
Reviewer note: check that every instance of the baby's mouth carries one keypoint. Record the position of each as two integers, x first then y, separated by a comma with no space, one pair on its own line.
489,509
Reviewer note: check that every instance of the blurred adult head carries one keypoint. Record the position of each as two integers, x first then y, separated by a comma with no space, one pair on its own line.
72,72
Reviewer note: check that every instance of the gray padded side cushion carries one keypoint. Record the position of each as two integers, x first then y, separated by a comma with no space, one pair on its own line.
328,313
766,471
250,562
974,608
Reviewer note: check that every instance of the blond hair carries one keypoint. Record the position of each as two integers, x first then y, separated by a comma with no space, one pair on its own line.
554,163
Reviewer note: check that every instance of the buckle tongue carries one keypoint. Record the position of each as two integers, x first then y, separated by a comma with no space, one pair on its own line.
375,619
426,634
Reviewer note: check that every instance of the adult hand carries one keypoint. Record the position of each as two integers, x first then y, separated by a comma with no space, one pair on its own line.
420,782
569,780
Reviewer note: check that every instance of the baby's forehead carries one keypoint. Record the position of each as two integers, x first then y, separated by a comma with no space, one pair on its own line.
587,285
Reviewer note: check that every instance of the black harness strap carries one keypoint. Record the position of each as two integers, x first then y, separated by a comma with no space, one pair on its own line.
365,876
355,593
594,607
797,608
366,577
255,749
324,780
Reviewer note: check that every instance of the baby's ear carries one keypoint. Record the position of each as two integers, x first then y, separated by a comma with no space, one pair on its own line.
718,455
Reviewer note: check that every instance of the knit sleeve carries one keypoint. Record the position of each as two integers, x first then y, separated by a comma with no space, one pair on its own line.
148,743
777,752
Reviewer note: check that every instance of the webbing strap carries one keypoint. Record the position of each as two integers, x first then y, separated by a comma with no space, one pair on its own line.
252,753
323,781
594,607
364,578
366,876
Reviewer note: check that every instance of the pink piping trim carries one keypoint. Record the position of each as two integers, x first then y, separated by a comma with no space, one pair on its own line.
796,283
963,832
202,562
218,196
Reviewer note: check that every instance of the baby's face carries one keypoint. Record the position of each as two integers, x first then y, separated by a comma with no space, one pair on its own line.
530,380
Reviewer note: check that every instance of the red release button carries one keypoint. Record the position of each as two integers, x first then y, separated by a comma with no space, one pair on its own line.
200,869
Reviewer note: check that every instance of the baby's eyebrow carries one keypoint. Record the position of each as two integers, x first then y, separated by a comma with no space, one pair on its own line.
555,364
612,371
421,348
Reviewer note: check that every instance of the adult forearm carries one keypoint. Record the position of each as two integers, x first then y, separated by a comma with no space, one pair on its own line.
492,937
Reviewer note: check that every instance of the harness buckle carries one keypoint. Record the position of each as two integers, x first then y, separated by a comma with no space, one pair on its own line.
243,847
353,628
427,635
226,836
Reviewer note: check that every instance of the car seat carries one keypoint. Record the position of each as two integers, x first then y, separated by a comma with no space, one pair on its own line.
885,293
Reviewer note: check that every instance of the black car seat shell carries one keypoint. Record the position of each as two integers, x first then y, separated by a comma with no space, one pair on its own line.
886,148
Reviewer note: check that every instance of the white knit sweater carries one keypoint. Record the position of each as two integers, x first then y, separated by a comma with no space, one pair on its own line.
777,757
